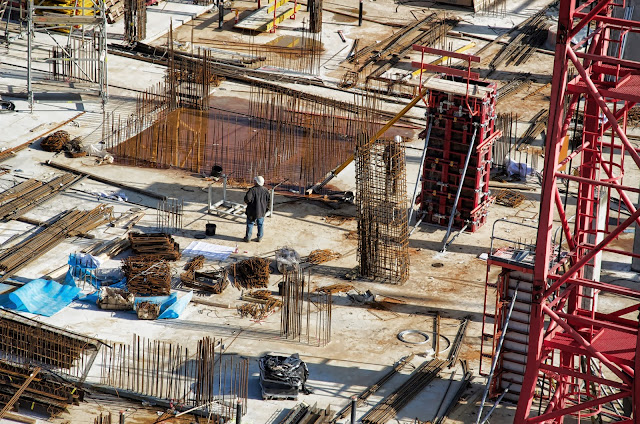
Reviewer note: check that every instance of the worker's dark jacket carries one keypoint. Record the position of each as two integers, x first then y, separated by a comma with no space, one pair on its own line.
257,200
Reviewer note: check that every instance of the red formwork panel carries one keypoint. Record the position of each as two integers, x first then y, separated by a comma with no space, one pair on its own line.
454,116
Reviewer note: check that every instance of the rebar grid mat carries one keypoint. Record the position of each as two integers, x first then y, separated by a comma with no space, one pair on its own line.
169,215
509,198
292,313
147,277
27,341
394,402
69,224
250,274
46,390
383,241
169,371
135,20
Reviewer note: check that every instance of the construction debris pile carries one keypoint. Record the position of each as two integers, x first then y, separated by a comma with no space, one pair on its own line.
56,141
146,276
250,274
283,377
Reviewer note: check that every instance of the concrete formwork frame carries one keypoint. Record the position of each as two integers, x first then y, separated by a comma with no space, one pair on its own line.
85,16
566,332
462,134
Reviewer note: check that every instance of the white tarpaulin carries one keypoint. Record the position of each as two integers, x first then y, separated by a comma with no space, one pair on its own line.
210,251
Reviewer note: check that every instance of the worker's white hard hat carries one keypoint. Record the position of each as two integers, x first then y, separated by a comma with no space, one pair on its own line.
259,180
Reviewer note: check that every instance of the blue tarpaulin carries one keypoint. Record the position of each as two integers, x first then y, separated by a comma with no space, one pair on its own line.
41,297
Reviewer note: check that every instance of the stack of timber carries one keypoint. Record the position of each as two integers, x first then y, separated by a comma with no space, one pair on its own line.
114,10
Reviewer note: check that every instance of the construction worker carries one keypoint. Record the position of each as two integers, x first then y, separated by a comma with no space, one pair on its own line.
257,200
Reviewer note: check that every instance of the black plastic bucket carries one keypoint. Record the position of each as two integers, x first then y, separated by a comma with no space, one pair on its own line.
210,229
216,171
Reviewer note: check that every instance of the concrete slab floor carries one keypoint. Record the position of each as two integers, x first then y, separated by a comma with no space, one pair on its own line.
364,341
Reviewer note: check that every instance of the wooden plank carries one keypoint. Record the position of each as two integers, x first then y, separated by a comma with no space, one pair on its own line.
261,20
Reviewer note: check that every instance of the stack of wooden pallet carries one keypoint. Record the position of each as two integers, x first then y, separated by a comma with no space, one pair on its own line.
114,10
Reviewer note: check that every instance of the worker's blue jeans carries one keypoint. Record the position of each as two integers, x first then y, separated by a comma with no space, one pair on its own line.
259,222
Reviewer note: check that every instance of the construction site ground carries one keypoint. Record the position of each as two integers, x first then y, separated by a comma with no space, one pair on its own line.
364,342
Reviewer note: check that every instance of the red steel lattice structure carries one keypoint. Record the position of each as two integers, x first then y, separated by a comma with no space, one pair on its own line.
569,341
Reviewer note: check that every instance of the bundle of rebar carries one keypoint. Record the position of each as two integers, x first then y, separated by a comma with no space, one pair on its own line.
336,288
45,390
195,263
258,311
155,245
69,224
513,86
111,248
147,277
251,273
364,395
322,255
537,125
19,190
56,141
519,49
394,402
36,195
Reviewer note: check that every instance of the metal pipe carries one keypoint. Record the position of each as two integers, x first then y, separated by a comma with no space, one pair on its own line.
354,401
419,179
455,202
495,405
239,412
360,14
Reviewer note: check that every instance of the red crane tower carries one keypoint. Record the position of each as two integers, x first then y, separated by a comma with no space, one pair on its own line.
569,357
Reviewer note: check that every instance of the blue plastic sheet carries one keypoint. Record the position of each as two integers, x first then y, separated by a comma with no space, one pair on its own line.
170,306
175,309
41,297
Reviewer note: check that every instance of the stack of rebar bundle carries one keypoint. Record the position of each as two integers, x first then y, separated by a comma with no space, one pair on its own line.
69,224
155,246
537,125
31,193
46,390
263,303
212,281
394,402
147,277
251,273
